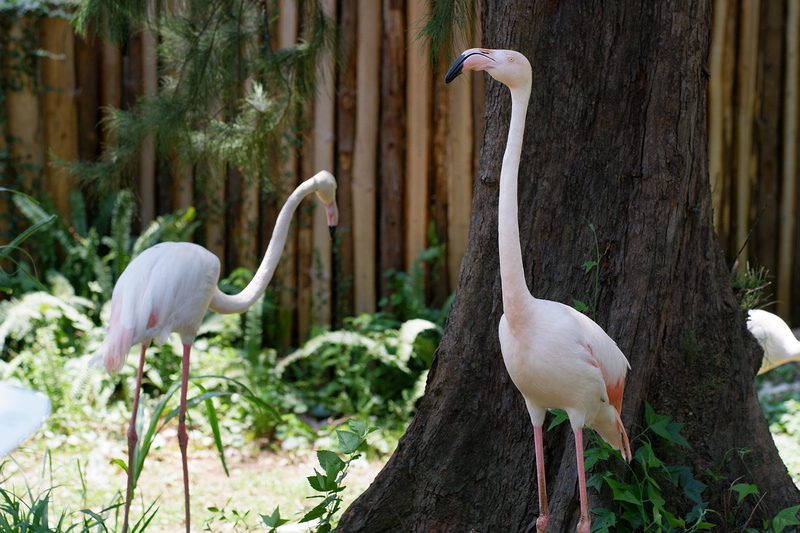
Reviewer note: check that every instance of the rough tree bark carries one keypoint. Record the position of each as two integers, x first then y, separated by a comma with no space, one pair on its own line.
616,138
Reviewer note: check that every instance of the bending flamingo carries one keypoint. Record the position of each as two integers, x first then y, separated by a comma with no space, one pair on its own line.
169,287
775,337
557,357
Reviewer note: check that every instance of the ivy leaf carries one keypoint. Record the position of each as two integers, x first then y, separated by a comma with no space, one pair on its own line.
348,442
579,305
330,462
743,489
274,520
787,517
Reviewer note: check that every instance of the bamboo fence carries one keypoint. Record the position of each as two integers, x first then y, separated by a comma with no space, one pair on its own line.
404,150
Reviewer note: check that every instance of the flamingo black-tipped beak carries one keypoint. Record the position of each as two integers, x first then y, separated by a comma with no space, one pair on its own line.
458,66
455,68
332,213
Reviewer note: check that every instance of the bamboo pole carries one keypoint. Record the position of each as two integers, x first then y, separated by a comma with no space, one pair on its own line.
323,142
788,196
747,78
418,144
365,155
458,171
286,273
215,217
181,194
346,98
147,157
729,63
715,107
440,291
22,111
110,81
87,96
391,146
60,113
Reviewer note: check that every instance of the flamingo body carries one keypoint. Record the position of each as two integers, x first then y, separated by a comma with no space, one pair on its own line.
561,359
775,337
556,356
169,287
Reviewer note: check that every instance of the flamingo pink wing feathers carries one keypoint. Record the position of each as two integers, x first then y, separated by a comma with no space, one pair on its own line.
166,288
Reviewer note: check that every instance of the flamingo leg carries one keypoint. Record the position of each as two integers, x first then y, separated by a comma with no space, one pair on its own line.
544,512
183,437
585,523
132,438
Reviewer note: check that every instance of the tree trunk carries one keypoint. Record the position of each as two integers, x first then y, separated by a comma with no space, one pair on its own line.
615,138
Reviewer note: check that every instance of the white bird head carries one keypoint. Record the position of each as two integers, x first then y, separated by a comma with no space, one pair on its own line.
326,192
506,66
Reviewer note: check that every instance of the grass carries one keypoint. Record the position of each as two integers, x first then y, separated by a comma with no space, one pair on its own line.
260,479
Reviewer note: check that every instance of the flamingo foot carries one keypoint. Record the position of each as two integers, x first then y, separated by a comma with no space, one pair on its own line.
541,523
584,525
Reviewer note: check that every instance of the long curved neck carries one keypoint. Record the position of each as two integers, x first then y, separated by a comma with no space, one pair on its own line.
512,273
239,303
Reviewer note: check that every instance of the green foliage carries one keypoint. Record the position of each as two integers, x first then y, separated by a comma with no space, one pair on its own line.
407,297
446,19
640,503
588,266
91,258
365,369
8,251
749,287
328,481
221,99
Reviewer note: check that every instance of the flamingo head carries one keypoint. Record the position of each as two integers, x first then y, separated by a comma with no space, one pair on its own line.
506,66
326,192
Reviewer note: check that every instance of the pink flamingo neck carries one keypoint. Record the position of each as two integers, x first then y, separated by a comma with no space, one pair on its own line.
239,303
512,272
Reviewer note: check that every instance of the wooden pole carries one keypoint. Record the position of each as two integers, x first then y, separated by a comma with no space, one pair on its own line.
391,145
60,113
215,217
147,157
346,98
745,115
418,143
365,155
324,133
715,107
788,196
110,81
22,109
458,170
87,79
286,273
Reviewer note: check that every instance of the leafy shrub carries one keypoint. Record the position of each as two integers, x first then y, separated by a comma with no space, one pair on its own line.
365,369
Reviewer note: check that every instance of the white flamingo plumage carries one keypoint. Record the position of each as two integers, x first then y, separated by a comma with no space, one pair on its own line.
775,337
557,357
168,288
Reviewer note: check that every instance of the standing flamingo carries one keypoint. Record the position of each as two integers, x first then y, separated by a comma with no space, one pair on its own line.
775,337
557,357
167,288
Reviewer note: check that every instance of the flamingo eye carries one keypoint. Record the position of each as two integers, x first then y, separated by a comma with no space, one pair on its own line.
510,59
